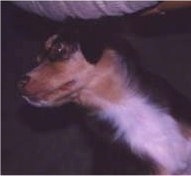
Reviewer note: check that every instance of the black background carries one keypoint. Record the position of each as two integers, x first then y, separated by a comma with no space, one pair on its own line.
55,141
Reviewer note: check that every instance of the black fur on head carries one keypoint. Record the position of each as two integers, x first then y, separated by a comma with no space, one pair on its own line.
94,36
87,35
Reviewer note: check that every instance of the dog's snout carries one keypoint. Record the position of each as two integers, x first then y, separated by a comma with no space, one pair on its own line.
24,80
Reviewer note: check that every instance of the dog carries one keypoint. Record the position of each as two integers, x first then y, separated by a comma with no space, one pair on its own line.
101,71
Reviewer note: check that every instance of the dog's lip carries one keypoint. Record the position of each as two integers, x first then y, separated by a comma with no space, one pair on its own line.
31,98
36,97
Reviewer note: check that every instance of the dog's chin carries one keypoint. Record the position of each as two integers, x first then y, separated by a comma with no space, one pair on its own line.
52,98
44,103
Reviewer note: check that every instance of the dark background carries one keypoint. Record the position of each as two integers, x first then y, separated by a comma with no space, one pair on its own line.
55,141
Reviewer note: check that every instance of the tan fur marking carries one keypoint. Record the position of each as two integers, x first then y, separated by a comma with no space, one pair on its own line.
108,81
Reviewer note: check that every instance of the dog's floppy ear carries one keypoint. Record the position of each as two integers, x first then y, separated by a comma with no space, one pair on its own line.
92,48
88,34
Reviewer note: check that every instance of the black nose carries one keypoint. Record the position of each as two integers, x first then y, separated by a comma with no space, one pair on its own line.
24,80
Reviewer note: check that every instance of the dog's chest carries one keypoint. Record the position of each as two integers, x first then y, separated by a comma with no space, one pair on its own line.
149,130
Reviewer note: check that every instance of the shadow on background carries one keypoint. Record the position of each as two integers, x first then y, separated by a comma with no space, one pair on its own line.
48,119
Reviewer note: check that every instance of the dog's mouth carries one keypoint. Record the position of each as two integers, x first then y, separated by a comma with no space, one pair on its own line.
55,97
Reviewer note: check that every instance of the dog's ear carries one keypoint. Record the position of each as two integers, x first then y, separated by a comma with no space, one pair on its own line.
93,39
92,48
88,33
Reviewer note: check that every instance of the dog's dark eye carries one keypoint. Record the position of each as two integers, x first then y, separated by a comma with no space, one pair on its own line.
58,48
57,52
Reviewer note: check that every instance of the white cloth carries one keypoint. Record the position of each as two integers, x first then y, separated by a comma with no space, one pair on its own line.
59,10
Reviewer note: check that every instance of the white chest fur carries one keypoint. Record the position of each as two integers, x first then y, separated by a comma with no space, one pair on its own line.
150,130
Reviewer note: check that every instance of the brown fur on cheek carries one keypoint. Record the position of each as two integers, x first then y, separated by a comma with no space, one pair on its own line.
44,78
56,81
107,88
105,85
108,81
65,93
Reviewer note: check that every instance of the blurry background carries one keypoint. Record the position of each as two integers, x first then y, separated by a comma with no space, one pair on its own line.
55,141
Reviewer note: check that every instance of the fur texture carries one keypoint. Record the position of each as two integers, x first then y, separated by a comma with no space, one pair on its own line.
101,72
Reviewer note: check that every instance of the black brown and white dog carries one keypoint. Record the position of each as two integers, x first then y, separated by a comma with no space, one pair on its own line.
100,70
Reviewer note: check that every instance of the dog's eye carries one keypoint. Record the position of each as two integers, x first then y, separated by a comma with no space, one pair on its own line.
61,51
56,52
58,48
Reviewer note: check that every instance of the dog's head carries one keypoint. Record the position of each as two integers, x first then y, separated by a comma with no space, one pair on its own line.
68,62
62,72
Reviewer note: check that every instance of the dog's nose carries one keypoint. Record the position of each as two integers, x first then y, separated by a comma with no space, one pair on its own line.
24,80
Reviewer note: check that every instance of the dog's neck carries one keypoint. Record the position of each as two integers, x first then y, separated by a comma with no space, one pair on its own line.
148,129
107,83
